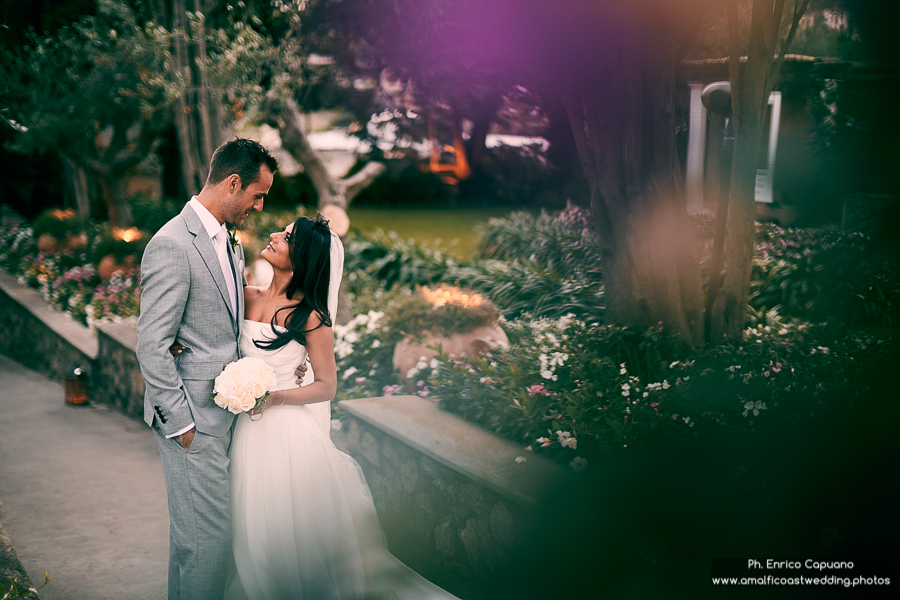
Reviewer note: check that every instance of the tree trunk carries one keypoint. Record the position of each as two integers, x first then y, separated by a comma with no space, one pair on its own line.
191,178
481,126
77,182
199,115
625,138
286,116
119,209
751,84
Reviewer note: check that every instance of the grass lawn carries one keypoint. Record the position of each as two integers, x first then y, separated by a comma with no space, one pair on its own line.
428,225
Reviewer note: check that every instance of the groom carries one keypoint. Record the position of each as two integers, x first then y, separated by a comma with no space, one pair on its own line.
191,281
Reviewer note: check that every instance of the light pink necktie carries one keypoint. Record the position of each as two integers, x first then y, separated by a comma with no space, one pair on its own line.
221,242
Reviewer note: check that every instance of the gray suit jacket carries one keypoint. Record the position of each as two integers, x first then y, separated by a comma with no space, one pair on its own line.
184,299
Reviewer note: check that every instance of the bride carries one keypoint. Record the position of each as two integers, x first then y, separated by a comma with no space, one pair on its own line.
304,524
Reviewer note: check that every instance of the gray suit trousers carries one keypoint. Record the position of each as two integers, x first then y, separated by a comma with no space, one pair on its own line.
199,495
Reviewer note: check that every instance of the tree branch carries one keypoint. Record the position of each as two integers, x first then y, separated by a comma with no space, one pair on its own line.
285,115
353,185
800,7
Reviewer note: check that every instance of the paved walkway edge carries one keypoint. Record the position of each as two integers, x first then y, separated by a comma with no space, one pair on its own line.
10,567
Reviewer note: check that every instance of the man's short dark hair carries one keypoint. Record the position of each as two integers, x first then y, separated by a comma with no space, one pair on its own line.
241,157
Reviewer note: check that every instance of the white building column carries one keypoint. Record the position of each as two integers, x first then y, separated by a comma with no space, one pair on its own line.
695,151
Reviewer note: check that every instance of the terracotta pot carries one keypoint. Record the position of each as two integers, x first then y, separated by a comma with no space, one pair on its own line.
76,242
47,243
468,345
109,267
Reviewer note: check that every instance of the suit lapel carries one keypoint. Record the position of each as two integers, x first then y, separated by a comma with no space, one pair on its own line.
237,267
204,246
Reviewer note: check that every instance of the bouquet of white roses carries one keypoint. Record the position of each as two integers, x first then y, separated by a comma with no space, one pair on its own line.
244,384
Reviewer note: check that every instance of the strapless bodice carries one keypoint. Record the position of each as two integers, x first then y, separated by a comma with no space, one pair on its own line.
283,361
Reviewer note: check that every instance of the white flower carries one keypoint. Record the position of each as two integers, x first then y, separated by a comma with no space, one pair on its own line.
376,344
544,442
566,440
520,459
336,425
578,464
665,385
548,374
243,383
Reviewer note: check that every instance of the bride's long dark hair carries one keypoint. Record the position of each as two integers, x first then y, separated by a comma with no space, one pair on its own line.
310,249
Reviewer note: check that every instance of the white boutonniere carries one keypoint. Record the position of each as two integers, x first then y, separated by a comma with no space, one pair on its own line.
233,239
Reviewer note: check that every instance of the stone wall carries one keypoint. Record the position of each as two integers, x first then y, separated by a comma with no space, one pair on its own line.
32,333
118,381
451,497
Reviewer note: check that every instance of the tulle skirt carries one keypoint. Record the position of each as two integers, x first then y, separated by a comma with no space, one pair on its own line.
304,524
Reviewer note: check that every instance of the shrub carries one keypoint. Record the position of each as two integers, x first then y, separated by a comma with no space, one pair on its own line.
73,291
119,298
57,222
393,261
823,275
15,244
577,391
565,243
150,214
413,314
102,242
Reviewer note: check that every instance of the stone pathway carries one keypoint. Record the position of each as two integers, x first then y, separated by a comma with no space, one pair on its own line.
83,493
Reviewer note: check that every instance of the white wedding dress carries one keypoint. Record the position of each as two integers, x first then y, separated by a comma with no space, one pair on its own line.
304,524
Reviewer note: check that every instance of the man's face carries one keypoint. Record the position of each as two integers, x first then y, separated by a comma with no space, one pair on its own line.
241,203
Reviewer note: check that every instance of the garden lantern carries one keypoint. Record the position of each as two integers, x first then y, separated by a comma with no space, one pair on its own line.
75,383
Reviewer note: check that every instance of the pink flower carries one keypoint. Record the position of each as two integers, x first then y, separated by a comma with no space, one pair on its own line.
674,417
420,383
359,379
654,404
537,389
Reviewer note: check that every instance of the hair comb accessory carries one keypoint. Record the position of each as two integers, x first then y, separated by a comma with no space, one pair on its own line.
321,220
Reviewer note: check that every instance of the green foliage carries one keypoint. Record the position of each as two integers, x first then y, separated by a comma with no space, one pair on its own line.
510,175
73,291
15,591
550,282
414,314
405,185
150,214
57,222
118,298
102,242
103,71
575,390
395,261
16,243
822,275
526,286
